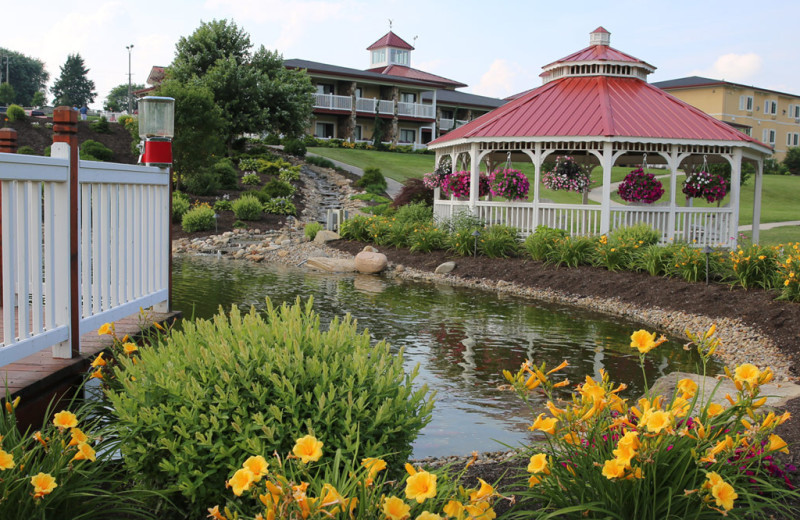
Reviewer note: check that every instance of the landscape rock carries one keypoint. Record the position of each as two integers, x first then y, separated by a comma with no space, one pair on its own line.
370,263
370,249
445,268
332,265
326,236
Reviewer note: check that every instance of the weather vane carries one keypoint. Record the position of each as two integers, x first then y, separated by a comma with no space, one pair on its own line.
390,24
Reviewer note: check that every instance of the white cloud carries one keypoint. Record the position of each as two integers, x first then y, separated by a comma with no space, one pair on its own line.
502,79
734,67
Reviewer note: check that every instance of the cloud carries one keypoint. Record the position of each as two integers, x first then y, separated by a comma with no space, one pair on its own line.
734,67
502,79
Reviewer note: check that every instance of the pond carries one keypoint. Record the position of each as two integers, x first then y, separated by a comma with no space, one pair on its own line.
461,338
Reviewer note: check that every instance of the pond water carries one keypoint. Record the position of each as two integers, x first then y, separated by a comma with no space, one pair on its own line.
462,339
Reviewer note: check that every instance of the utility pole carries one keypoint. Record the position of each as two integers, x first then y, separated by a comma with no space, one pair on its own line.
7,57
130,93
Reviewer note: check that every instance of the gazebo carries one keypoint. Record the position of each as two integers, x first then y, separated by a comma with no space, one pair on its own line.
596,104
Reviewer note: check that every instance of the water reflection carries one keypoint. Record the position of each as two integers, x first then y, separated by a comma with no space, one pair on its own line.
462,339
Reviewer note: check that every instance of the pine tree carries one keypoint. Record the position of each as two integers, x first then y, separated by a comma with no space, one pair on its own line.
73,87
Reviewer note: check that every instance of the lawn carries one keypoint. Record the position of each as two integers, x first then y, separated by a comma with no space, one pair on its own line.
397,166
772,237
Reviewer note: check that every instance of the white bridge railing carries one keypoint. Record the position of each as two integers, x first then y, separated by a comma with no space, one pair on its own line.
123,242
697,227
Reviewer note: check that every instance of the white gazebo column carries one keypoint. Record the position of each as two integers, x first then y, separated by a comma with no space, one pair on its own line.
475,169
536,158
736,191
606,162
757,200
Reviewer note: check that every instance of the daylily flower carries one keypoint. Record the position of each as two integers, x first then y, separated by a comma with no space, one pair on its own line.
6,460
43,484
65,419
395,509
421,486
308,449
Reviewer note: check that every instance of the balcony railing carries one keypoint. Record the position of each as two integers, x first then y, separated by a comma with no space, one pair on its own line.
448,124
384,106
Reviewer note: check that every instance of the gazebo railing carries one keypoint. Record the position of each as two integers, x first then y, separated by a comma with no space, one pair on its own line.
697,227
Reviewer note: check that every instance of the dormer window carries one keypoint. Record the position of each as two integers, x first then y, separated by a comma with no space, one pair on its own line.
398,57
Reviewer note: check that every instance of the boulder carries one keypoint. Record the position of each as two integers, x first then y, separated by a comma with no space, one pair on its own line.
445,268
326,236
370,263
370,249
332,265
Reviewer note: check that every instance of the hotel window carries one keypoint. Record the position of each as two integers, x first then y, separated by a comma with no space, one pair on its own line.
357,133
324,130
794,111
407,97
746,103
407,136
770,107
359,92
792,139
324,88
378,56
398,57
768,136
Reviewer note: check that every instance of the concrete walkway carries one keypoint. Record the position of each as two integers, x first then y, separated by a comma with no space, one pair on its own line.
770,225
393,187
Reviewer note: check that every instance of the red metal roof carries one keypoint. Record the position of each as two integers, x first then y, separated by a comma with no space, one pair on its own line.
408,72
599,53
601,30
600,106
390,39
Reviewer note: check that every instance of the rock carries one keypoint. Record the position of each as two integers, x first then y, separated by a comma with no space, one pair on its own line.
445,268
255,258
332,265
370,263
286,242
282,253
281,239
370,249
326,236
400,268
777,393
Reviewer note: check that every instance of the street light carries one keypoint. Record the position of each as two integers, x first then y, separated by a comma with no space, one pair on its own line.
156,128
130,93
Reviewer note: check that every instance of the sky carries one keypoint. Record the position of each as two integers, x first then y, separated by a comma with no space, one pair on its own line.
497,48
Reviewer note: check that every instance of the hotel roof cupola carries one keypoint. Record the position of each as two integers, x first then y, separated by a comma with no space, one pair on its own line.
390,50
598,59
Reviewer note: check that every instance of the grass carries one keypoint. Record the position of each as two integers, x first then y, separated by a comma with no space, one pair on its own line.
772,237
393,165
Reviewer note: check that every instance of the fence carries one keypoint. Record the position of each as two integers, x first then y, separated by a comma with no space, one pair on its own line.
121,258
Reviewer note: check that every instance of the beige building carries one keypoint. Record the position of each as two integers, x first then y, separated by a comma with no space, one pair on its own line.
770,116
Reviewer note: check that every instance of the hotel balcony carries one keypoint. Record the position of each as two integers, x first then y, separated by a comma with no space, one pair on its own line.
345,104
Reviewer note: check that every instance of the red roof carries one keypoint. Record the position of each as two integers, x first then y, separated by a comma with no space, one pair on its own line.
599,53
597,106
408,72
390,39
600,30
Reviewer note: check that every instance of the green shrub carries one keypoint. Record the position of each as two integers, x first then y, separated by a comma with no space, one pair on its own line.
613,253
198,218
223,205
202,182
311,229
272,167
424,238
180,205
26,150
689,263
289,174
294,147
542,241
370,197
15,113
85,488
125,120
379,231
414,213
280,206
248,207
571,251
208,397
226,174
499,241
461,239
641,234
754,266
100,126
356,228
322,162
278,188
414,191
397,233
239,225
383,210
272,139
97,150
372,181
248,164
654,260
251,179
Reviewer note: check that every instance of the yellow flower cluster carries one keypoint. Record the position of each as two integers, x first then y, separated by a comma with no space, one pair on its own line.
637,434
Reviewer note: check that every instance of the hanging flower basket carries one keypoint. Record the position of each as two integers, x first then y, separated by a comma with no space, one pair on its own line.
436,178
457,184
567,175
705,185
639,186
509,183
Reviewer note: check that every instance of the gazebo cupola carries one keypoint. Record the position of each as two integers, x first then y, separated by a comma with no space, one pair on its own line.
389,50
598,59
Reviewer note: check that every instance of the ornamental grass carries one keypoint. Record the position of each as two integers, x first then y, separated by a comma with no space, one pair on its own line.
692,455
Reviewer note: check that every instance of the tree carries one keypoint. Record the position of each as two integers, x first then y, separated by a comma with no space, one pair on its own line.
7,94
255,92
73,87
198,126
38,99
792,160
117,100
27,75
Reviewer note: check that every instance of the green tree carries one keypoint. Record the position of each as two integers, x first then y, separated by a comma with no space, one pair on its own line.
7,94
74,87
117,100
254,90
198,127
38,99
792,160
27,75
